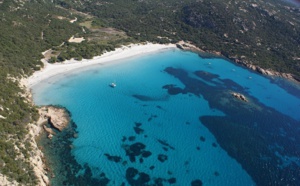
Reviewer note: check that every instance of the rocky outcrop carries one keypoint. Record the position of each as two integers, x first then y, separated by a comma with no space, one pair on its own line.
57,117
37,159
4,181
188,46
240,60
49,131
267,72
239,96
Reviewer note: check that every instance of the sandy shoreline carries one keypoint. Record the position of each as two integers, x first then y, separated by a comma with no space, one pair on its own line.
51,70
124,52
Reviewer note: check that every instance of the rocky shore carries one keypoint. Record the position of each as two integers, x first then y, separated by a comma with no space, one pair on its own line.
37,159
267,72
4,181
53,119
58,118
241,61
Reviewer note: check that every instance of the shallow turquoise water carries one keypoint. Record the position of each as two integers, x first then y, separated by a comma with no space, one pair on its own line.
173,126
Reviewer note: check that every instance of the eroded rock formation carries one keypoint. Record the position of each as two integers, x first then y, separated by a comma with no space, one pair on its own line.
57,117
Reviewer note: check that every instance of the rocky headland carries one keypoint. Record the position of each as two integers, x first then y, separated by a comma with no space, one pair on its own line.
239,60
58,118
267,72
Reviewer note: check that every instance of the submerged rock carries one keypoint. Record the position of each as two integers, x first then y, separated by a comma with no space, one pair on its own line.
202,138
48,130
116,159
146,154
214,145
163,142
138,130
196,183
162,157
134,177
172,180
131,138
135,150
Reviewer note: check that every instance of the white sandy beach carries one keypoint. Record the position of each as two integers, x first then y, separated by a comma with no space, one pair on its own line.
51,70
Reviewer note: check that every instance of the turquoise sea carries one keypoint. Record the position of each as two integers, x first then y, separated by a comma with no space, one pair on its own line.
172,120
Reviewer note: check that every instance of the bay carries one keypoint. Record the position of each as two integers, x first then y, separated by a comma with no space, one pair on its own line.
172,119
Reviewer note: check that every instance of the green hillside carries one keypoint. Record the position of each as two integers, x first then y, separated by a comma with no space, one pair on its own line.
264,33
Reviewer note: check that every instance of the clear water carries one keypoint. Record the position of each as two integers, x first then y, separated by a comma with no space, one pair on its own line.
184,144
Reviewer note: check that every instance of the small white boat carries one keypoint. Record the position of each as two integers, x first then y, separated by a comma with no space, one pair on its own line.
113,85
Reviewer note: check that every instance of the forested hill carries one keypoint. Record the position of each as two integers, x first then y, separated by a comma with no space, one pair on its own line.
27,28
21,43
261,32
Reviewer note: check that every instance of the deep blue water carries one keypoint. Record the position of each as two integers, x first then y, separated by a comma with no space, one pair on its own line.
294,2
171,119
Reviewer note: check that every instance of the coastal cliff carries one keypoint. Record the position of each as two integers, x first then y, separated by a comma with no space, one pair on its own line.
58,118
37,159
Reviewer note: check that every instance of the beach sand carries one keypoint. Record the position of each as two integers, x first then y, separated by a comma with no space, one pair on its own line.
132,50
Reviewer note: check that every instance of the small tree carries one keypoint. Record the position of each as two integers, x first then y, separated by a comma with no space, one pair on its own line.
52,60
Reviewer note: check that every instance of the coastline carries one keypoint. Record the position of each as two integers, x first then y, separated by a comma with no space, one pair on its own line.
240,61
38,160
70,65
124,52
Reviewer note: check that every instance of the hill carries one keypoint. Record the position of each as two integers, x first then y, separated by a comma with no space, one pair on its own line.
255,32
262,33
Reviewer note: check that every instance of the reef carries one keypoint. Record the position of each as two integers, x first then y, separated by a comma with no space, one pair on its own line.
138,129
134,177
66,170
162,158
116,159
196,183
136,150
264,146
